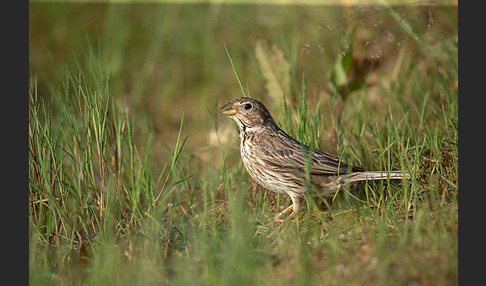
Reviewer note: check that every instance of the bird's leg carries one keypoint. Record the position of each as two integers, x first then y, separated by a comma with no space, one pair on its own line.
295,206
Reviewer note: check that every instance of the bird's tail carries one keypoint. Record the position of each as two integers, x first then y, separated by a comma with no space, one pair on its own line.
374,175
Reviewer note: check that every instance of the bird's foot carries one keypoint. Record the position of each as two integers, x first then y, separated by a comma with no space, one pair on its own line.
278,217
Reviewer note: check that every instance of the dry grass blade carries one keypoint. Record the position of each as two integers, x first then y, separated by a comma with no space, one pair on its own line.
274,67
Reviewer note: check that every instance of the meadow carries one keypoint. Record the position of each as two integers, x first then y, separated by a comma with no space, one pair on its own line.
135,178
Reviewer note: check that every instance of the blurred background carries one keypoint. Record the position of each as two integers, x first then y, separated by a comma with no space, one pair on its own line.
169,59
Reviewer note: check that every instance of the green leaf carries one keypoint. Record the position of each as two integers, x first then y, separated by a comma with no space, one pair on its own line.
340,71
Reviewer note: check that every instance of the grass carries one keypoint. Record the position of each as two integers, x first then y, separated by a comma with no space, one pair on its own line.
135,178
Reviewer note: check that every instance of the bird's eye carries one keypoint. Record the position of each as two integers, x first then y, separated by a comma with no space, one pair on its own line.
247,106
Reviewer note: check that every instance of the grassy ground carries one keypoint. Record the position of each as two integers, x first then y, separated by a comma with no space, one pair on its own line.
135,178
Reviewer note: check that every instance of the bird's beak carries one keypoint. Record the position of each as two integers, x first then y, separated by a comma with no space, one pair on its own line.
228,109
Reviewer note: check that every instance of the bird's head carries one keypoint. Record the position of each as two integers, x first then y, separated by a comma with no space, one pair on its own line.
247,113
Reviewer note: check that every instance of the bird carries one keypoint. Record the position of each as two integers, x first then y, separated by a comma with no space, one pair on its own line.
278,162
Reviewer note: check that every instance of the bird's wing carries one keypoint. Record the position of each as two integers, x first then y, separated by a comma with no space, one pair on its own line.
288,153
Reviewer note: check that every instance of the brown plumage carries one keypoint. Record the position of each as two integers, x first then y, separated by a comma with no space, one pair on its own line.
278,162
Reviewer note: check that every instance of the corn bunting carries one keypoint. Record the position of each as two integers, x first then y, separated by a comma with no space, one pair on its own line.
278,162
